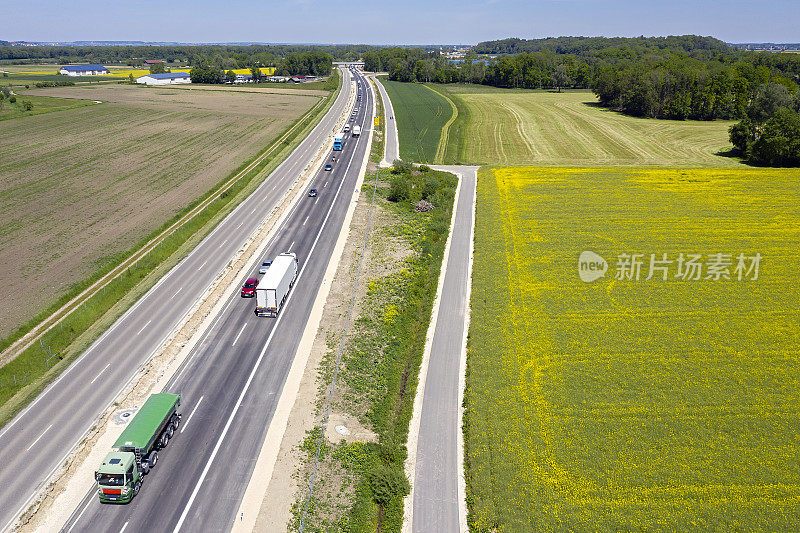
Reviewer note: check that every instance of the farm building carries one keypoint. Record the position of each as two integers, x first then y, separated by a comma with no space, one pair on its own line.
151,62
83,70
167,78
278,79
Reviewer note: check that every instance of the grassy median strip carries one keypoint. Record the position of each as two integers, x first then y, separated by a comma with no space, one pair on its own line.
30,372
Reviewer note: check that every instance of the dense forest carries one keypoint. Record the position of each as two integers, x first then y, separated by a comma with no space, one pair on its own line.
685,77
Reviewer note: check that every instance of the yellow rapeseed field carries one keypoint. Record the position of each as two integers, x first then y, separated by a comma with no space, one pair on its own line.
635,404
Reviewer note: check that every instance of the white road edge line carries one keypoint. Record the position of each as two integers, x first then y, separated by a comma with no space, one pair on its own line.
198,249
39,437
98,375
88,501
148,323
239,335
252,375
265,463
192,413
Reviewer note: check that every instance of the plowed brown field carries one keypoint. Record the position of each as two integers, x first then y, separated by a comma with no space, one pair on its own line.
80,185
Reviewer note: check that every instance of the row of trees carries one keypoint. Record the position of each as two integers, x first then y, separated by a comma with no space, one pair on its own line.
226,56
300,64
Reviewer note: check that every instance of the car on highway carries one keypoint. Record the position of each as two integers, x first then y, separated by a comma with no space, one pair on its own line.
333,159
312,193
265,266
352,119
249,287
328,167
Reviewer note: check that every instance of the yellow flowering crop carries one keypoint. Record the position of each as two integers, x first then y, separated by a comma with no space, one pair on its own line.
621,405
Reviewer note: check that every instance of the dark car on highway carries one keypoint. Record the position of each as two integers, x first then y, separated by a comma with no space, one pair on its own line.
328,167
312,193
249,288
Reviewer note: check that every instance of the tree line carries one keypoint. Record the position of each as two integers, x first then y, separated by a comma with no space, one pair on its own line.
226,56
684,77
299,64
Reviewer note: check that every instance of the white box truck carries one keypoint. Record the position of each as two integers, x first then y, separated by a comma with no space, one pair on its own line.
356,131
272,290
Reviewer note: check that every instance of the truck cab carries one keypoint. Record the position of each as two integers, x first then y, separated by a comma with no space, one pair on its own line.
118,478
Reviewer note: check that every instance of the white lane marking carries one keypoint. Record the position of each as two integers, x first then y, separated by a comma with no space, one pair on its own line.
176,293
275,328
326,184
274,187
190,415
290,247
39,437
141,330
288,164
201,266
223,243
253,211
306,220
80,515
240,224
315,201
123,527
98,375
239,335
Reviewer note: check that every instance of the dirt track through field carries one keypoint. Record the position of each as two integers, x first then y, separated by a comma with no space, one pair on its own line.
80,185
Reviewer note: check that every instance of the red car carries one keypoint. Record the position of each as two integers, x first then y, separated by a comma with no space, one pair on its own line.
249,288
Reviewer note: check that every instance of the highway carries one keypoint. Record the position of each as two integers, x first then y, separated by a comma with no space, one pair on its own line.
38,440
233,379
438,497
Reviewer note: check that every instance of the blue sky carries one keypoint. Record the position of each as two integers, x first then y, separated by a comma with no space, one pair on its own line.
398,21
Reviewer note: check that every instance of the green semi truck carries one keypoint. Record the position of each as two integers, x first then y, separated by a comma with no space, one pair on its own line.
135,453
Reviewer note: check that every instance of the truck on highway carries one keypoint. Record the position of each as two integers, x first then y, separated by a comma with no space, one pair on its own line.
274,288
356,131
337,142
135,452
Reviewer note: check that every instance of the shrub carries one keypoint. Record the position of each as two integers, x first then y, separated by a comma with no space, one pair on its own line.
398,189
401,167
388,482
13,99
27,105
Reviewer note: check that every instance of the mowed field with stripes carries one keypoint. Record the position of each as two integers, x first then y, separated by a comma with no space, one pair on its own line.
526,127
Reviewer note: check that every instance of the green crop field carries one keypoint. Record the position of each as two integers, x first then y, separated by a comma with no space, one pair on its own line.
523,127
421,114
635,404
41,104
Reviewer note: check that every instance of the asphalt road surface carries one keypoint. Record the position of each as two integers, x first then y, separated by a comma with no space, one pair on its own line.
391,147
36,442
438,503
231,382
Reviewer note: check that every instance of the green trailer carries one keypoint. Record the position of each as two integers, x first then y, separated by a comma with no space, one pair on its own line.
135,453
